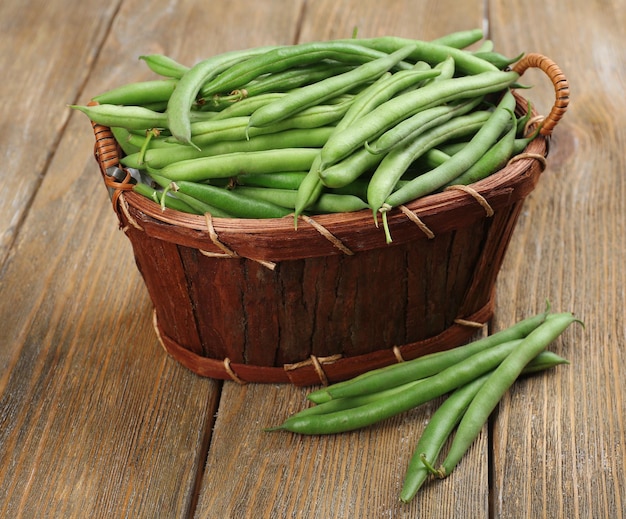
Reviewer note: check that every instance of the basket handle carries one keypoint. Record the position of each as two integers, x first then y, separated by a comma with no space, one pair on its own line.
107,153
561,86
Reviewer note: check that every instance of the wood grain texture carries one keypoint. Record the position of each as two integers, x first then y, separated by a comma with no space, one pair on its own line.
93,413
95,419
568,429
35,92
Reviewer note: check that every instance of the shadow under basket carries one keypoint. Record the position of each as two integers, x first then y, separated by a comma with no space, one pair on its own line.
259,301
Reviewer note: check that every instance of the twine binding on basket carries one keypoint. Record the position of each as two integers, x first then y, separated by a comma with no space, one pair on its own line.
317,370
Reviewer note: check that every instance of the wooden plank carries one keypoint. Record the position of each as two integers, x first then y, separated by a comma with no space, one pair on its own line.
560,439
252,473
95,420
35,40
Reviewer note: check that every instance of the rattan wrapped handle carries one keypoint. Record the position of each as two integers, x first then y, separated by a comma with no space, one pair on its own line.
561,86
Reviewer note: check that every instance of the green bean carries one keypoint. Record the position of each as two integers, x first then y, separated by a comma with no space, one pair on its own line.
183,97
170,201
497,59
435,434
163,156
459,162
137,140
415,394
378,92
281,180
283,81
286,57
248,105
234,128
425,366
446,70
485,46
460,39
450,148
232,202
202,207
164,65
350,168
433,158
123,138
413,126
357,187
128,117
353,402
232,164
430,52
138,93
326,203
384,89
446,418
491,161
309,190
318,92
400,107
396,162
487,398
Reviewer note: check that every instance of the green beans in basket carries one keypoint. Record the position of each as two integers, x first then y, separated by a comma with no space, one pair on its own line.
366,109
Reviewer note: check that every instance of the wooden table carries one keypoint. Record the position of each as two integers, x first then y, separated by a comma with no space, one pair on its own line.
97,421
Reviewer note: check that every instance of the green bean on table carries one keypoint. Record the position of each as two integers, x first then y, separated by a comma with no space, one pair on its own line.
445,419
498,383
415,394
425,366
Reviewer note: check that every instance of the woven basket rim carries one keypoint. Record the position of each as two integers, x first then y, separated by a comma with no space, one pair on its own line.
276,239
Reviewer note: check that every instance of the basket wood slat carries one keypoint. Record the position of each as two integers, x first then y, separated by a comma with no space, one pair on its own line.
259,301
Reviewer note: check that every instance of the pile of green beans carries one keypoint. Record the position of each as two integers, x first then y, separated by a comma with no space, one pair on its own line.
330,115
475,377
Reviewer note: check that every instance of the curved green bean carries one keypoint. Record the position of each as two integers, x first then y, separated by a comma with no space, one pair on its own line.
288,56
183,97
233,203
445,419
400,107
162,156
413,126
139,93
491,161
459,162
326,203
487,398
396,162
164,65
460,39
328,88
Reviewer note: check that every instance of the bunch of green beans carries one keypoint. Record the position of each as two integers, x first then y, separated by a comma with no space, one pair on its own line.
475,376
332,115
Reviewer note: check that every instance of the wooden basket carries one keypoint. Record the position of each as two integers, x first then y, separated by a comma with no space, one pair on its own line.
258,301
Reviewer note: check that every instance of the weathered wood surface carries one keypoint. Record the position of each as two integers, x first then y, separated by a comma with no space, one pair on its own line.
96,421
